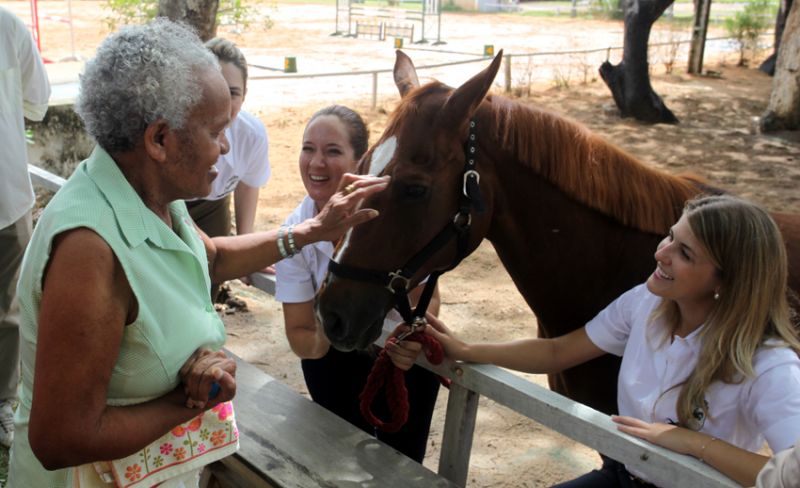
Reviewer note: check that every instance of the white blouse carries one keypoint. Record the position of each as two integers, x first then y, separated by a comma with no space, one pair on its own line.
765,406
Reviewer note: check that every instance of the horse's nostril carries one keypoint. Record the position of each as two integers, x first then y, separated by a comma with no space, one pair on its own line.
334,327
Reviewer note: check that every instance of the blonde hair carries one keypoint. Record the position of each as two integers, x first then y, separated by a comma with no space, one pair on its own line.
228,52
746,246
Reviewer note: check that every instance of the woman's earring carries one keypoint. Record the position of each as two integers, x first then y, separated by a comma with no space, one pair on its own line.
716,295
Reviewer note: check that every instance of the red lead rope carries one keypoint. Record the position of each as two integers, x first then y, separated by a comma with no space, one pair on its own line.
385,372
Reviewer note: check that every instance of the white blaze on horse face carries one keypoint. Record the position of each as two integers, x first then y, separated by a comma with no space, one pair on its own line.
343,246
382,155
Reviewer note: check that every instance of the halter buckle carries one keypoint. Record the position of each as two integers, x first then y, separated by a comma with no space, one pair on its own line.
467,174
460,225
395,276
417,325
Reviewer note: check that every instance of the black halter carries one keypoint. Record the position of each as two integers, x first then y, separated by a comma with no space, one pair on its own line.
398,282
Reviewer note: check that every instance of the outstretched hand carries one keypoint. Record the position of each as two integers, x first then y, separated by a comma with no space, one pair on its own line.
672,437
453,347
342,212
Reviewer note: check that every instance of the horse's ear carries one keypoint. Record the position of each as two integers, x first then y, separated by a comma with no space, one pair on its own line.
463,102
405,75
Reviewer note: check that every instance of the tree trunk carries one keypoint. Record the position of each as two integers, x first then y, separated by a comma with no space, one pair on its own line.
768,66
783,112
702,9
200,14
629,81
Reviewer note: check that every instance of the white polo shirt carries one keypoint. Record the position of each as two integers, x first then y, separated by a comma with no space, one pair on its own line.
298,278
24,92
248,158
744,414
782,471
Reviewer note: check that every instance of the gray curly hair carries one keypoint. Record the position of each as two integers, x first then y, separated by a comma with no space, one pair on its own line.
141,74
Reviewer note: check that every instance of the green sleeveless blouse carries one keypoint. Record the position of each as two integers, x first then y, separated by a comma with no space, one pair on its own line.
168,272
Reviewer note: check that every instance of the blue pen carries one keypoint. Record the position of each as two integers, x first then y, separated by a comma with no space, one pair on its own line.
214,391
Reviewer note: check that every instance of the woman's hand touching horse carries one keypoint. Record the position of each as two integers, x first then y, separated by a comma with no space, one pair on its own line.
342,210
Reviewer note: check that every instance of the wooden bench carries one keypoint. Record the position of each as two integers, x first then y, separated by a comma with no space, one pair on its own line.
286,440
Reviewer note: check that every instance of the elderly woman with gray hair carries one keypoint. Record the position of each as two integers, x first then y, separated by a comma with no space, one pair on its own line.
120,344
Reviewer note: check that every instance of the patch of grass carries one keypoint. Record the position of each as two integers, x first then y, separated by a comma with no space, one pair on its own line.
451,7
543,13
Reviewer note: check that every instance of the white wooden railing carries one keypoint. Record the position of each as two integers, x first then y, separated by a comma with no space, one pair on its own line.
577,421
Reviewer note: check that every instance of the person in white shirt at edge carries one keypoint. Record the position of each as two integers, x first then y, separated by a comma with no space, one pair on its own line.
782,470
245,168
710,362
24,92
334,140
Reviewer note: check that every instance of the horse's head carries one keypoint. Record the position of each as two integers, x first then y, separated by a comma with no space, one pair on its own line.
434,212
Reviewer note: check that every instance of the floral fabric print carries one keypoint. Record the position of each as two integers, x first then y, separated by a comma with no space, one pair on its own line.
208,437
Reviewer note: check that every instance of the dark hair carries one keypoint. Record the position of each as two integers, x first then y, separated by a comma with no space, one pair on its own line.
227,52
356,128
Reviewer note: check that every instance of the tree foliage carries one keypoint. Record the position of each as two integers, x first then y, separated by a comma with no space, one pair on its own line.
124,12
748,24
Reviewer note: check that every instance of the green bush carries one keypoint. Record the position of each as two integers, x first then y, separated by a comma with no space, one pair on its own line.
748,24
125,12
609,9
451,7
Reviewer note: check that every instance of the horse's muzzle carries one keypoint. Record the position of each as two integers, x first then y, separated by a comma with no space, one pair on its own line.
352,314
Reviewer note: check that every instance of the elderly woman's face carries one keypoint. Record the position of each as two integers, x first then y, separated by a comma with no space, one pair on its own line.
201,141
233,76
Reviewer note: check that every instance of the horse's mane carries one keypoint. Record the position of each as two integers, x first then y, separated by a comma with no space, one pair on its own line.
583,165
590,169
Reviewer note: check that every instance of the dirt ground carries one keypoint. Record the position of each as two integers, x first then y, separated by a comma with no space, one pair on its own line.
716,139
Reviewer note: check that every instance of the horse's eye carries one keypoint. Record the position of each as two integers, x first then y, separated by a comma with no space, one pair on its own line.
415,191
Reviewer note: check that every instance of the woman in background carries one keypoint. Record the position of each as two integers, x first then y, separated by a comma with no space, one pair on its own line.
334,140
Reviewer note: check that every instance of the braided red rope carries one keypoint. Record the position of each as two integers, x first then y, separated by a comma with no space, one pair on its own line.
385,372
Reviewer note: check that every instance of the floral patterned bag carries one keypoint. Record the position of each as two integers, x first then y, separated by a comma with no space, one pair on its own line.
206,438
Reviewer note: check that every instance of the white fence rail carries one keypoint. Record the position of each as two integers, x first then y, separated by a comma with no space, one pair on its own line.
577,421
559,67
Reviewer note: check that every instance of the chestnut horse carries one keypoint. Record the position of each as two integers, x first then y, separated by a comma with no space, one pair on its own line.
574,219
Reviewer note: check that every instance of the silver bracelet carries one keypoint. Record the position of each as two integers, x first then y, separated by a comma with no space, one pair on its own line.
292,248
281,247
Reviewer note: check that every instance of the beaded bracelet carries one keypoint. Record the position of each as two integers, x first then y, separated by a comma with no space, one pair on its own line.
703,449
292,248
281,247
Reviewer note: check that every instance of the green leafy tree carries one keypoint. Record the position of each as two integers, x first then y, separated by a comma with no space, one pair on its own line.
125,12
748,24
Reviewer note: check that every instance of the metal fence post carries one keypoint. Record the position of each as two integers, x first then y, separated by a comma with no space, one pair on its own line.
508,73
374,89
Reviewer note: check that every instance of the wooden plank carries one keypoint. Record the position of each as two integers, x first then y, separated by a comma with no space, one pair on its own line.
583,424
459,427
295,443
231,472
264,282
45,179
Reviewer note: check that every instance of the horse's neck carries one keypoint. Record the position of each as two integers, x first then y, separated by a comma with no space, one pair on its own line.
567,259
